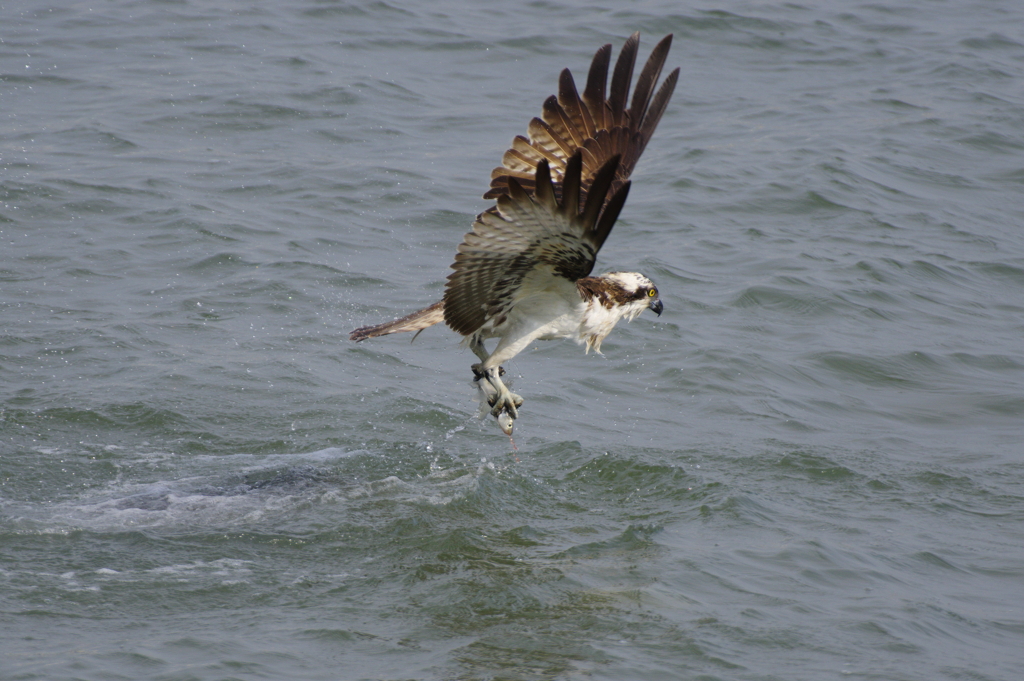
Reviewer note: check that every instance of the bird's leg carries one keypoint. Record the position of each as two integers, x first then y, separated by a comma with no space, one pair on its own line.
499,397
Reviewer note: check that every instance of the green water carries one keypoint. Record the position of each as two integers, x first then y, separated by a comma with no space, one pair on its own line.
808,468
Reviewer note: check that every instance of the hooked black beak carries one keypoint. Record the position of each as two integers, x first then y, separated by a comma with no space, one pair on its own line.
656,306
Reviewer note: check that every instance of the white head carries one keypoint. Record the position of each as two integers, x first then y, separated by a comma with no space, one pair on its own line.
610,297
636,293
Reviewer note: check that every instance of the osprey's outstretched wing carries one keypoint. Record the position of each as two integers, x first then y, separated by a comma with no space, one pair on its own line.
598,122
528,233
580,154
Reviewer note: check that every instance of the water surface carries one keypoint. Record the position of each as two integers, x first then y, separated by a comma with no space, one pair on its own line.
808,468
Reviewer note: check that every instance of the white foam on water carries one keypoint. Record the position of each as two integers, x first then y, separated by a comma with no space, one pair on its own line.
239,491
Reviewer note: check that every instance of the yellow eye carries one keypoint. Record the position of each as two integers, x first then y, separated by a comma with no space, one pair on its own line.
652,293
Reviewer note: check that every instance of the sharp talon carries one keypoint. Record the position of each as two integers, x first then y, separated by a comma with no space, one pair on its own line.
502,402
505,406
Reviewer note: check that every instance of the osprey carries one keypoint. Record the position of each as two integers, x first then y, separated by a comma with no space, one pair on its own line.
523,272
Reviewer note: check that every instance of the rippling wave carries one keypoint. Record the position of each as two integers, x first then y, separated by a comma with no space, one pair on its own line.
808,466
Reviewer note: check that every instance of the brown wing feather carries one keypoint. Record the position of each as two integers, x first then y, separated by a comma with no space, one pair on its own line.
530,231
598,122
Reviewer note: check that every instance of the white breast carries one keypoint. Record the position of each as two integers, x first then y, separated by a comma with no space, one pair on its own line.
598,321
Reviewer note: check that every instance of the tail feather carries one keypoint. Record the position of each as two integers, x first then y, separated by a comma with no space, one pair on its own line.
417,321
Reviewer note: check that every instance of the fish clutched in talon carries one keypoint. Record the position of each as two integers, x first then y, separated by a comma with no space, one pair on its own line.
506,422
500,411
523,272
489,397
